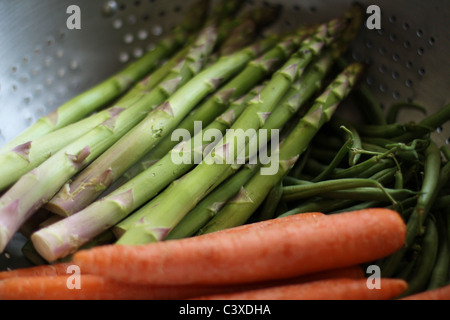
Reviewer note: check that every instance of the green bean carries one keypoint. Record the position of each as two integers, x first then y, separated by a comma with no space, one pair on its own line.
301,163
440,273
427,125
446,152
420,276
318,204
334,163
406,268
292,193
394,110
365,168
381,131
370,194
371,108
322,155
349,133
425,201
271,203
292,181
359,206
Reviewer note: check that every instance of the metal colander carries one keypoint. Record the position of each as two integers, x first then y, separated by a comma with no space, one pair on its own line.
43,63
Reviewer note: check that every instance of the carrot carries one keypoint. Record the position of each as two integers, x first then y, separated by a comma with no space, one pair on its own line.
331,289
93,287
289,248
442,293
56,269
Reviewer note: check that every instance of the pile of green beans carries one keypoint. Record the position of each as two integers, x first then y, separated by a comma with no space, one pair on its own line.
381,163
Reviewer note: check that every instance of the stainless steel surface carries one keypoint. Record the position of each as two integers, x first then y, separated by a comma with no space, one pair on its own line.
43,63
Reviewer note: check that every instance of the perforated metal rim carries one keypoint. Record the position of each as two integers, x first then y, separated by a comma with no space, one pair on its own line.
44,64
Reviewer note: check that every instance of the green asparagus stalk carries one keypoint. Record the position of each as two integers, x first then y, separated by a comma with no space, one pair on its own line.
239,211
56,241
199,182
254,72
245,28
85,188
105,92
36,188
302,90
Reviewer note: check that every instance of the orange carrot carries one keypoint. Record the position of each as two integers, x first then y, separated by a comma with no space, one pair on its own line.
442,293
280,250
56,269
331,289
94,287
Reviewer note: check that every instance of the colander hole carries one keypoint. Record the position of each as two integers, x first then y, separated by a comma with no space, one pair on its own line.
446,141
419,33
421,71
296,7
142,34
48,61
409,64
24,79
61,72
14,69
117,24
35,72
145,17
138,52
162,13
27,99
313,9
177,8
395,75
38,90
25,60
420,51
383,88
439,129
73,64
150,46
60,53
432,41
7,255
369,44
396,95
408,83
406,26
132,19
49,81
407,44
369,81
393,37
395,57
382,50
382,68
128,38
157,30
392,19
14,87
137,3
124,57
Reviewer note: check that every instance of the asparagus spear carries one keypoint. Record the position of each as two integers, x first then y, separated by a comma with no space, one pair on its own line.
239,210
199,182
85,188
105,92
302,90
36,188
254,72
56,241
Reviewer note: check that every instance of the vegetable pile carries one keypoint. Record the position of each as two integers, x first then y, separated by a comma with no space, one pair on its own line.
95,184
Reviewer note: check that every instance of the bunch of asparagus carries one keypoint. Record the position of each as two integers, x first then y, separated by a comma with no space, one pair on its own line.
104,171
